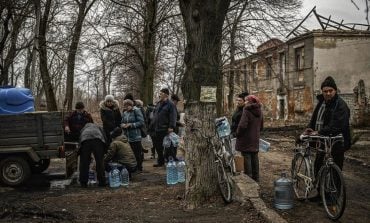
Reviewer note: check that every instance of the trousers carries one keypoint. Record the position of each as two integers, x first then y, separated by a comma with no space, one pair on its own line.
251,165
88,147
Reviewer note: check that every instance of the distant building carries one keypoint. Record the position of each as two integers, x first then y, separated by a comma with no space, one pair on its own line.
287,76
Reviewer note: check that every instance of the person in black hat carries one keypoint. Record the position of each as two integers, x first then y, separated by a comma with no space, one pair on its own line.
235,119
164,122
330,117
75,121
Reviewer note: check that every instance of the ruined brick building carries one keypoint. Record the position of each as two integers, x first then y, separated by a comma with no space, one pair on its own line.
287,76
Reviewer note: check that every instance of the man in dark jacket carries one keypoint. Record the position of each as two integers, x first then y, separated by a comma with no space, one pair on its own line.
92,140
75,121
235,119
330,118
248,135
164,123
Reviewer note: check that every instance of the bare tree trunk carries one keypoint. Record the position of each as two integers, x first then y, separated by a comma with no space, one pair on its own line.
82,11
232,56
203,23
45,76
149,52
27,70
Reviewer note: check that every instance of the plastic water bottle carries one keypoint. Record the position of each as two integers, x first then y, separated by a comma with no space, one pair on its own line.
283,192
181,170
124,177
171,170
114,177
226,128
92,178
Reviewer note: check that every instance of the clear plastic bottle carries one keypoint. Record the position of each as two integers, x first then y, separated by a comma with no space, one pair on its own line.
181,170
114,177
171,170
92,178
124,177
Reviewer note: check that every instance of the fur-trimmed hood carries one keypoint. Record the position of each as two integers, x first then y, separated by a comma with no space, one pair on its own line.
103,106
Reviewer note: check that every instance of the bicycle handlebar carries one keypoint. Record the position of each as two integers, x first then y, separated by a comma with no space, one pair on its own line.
308,137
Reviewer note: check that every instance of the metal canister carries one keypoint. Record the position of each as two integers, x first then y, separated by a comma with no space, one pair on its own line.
284,195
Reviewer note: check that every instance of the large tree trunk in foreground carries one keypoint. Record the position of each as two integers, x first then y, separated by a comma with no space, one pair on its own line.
203,23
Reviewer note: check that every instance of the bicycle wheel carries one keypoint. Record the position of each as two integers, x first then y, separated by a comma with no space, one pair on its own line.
333,191
224,181
301,176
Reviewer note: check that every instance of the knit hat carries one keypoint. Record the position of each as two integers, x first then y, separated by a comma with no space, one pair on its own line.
109,98
329,82
79,105
174,97
116,132
253,99
165,90
128,102
129,96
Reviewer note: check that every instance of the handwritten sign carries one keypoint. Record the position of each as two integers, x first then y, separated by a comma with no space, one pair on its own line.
208,93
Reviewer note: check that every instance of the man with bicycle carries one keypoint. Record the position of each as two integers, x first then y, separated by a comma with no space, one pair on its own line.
330,118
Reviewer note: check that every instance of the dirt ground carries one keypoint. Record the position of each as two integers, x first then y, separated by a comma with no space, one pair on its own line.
149,199
356,176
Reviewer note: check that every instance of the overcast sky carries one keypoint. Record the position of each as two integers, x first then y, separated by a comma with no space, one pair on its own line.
338,9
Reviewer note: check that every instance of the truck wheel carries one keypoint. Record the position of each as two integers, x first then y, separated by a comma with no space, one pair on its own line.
14,170
40,166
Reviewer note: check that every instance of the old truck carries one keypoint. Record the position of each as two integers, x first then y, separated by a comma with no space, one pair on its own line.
27,143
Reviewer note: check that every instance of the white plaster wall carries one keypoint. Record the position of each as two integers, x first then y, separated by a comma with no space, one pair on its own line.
346,59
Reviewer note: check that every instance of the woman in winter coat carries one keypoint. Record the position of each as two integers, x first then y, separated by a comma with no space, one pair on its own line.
110,115
248,135
132,121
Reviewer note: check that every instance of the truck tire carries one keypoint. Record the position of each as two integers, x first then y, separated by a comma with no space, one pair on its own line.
40,166
14,170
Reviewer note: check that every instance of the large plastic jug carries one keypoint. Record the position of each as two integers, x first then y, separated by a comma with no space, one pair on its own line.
16,100
283,192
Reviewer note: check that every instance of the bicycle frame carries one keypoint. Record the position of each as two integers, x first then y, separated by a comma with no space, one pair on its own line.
225,165
332,191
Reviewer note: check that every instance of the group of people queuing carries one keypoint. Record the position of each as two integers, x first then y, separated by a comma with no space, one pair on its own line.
330,117
119,139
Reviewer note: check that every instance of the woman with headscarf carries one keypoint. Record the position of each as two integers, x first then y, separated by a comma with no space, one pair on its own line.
248,135
132,121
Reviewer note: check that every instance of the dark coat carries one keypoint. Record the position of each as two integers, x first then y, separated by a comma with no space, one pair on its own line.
249,128
76,121
336,120
235,119
110,116
165,116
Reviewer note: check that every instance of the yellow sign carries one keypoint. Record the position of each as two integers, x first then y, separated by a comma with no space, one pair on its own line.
208,94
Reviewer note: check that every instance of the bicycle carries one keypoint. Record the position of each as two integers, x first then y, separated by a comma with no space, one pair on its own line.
329,178
225,163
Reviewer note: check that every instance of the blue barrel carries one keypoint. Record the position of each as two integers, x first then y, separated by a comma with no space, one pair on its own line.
283,193
16,100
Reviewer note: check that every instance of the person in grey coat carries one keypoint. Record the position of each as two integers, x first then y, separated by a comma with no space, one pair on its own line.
92,141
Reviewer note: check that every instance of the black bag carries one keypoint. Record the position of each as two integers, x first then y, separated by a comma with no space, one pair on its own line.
143,130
